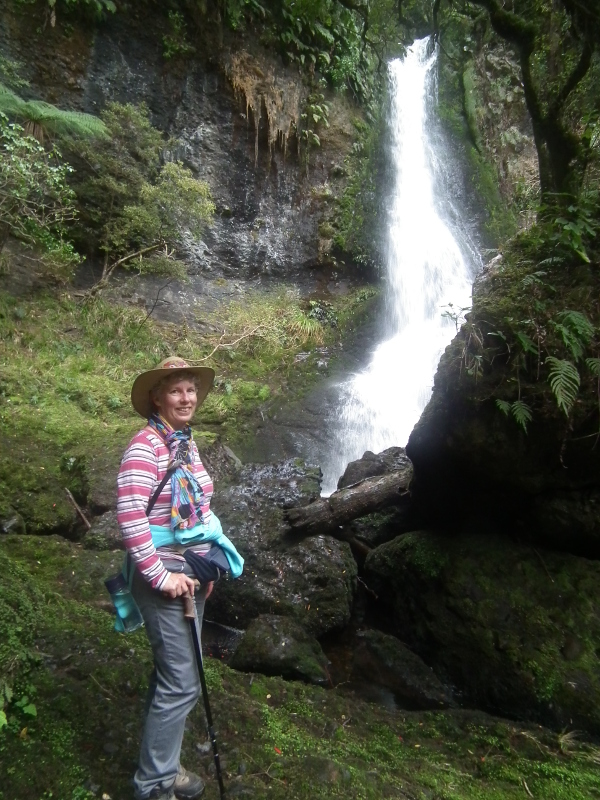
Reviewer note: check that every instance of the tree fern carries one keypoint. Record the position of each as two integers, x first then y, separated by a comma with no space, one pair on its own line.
41,119
564,382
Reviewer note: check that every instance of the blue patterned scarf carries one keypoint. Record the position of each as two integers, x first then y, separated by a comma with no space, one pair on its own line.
186,492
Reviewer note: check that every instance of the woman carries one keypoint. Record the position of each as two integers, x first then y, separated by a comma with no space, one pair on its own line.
180,520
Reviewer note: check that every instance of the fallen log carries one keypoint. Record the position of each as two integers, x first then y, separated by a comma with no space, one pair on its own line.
328,514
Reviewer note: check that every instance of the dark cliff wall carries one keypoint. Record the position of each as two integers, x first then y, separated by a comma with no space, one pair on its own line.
243,143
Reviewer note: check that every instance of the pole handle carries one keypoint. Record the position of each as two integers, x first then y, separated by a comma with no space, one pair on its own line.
188,606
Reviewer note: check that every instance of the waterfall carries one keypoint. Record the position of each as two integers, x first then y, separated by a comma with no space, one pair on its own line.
430,264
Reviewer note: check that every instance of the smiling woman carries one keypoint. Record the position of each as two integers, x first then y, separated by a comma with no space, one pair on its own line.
176,398
165,526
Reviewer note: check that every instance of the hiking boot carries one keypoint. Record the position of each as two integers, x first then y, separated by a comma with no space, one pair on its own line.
187,785
158,793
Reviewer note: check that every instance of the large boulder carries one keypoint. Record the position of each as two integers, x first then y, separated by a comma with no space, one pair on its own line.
471,460
275,645
381,659
104,533
516,629
312,581
372,464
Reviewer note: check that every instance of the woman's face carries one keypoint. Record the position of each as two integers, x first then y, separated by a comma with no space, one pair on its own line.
176,402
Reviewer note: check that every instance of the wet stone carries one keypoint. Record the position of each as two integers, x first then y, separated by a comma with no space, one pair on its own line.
279,646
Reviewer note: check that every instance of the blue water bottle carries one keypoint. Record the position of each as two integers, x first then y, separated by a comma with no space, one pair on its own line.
129,617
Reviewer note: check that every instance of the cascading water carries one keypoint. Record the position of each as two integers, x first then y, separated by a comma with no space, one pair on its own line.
427,269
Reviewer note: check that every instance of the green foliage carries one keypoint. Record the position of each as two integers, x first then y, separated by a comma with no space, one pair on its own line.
315,114
519,410
175,42
345,43
10,73
35,202
573,230
575,330
111,172
19,608
41,119
564,381
177,203
235,11
131,206
356,220
97,8
532,345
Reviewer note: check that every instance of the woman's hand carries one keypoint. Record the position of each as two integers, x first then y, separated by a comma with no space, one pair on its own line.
177,584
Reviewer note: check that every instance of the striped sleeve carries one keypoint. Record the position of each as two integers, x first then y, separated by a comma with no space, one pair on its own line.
137,478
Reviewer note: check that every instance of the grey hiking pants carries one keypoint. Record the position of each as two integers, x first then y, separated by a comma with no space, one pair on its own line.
174,684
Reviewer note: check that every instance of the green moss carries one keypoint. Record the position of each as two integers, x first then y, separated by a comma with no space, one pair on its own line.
460,110
425,553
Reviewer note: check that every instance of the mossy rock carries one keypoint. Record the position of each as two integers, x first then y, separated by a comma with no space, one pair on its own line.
516,629
36,485
381,659
275,645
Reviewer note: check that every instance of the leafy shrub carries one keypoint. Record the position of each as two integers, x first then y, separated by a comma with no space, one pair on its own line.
37,204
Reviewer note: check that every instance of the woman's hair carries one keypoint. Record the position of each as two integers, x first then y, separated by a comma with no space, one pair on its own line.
169,379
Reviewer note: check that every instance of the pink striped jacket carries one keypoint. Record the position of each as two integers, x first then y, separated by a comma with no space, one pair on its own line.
143,467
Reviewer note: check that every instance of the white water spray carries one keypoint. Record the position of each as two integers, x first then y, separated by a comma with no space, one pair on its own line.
426,271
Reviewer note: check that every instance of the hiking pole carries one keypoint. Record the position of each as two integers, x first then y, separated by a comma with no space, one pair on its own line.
189,613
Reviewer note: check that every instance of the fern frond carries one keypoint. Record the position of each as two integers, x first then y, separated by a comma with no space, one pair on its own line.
575,330
578,323
40,118
593,365
564,382
521,413
504,406
527,344
9,101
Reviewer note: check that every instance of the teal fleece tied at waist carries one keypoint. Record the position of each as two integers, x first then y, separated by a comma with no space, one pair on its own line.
210,532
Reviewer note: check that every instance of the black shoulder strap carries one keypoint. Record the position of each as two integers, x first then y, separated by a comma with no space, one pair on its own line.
159,489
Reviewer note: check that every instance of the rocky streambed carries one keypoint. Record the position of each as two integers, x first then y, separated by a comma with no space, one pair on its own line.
471,617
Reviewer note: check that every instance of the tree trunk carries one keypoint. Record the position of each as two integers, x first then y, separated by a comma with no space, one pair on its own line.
328,514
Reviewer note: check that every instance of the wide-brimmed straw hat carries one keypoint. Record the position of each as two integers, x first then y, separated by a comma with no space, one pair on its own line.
144,383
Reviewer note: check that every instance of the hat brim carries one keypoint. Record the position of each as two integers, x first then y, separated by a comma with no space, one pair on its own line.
144,383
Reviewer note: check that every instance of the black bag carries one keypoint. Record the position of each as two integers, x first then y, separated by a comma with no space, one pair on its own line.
209,567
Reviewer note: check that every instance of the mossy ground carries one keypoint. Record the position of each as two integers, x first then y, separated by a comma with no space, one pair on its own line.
278,739
67,369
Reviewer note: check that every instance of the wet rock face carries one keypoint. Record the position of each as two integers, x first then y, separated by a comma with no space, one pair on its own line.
313,581
268,207
570,519
387,662
275,645
263,225
372,464
515,629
